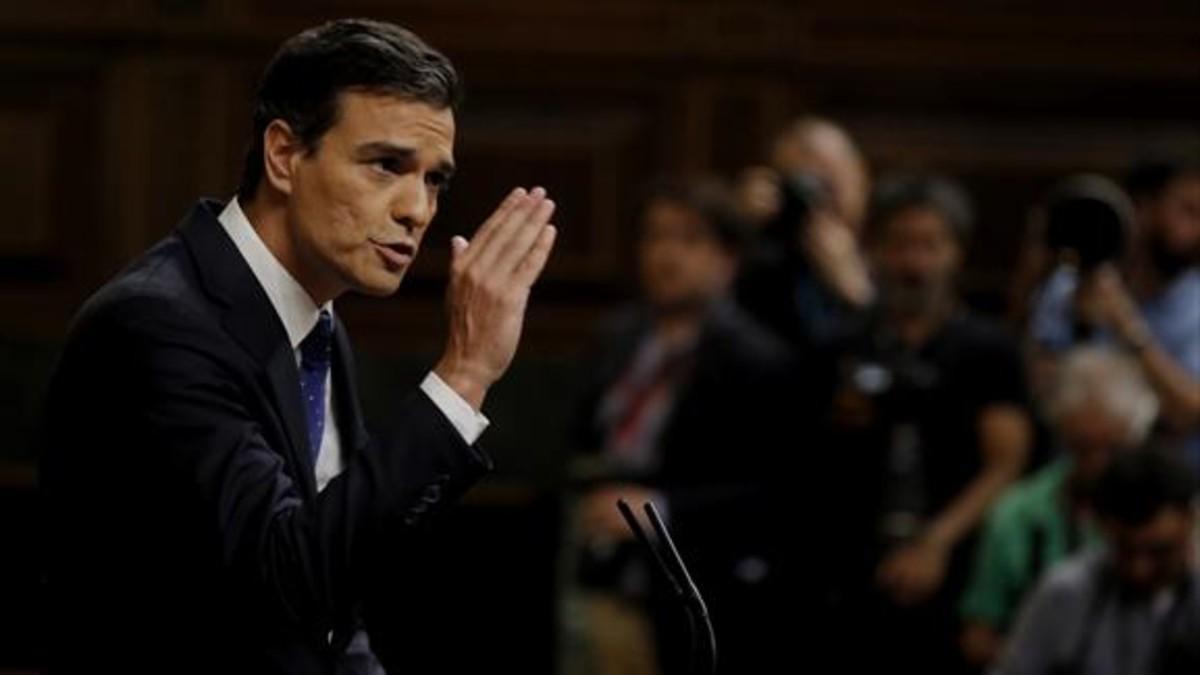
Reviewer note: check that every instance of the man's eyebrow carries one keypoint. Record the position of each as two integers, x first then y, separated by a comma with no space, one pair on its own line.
376,149
446,168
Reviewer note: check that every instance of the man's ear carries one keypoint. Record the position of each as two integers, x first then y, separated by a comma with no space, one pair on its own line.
282,150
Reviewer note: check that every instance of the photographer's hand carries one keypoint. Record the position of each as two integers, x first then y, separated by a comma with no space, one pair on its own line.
1103,300
833,250
758,195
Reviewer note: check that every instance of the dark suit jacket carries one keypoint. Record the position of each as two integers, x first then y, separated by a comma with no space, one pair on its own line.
727,406
185,532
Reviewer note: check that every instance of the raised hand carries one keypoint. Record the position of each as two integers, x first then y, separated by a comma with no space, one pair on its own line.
833,251
490,280
1103,300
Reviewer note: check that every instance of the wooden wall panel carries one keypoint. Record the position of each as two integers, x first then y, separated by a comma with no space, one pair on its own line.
49,160
135,107
26,152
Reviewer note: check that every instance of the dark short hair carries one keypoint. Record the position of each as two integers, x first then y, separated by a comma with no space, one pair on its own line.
1150,176
302,83
1138,484
712,200
899,192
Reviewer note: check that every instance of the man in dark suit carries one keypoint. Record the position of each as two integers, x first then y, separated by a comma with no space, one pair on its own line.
214,501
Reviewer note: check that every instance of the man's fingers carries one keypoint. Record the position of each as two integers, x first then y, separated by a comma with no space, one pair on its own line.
490,250
523,238
515,199
535,260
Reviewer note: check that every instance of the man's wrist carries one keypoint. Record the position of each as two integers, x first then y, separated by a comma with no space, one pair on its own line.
466,384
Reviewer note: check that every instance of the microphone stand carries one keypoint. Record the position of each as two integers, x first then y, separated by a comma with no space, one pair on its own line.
703,659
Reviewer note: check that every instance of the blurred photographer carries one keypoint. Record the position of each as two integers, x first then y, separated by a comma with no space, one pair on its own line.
1129,272
928,423
807,272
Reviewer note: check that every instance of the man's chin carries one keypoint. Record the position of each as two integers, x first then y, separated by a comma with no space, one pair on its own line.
380,285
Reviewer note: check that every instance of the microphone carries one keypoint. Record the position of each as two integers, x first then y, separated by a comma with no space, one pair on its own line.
703,660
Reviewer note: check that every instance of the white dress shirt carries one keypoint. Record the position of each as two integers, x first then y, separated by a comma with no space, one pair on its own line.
299,314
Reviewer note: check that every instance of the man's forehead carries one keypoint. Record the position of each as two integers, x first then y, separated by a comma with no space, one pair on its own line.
370,117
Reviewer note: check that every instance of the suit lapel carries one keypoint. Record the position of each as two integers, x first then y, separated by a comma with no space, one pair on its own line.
252,321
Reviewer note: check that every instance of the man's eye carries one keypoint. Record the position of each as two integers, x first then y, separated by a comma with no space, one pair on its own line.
387,165
438,180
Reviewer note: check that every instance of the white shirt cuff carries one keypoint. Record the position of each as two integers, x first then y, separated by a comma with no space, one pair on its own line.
469,422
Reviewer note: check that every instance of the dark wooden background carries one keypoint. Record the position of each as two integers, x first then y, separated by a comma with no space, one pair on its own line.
116,114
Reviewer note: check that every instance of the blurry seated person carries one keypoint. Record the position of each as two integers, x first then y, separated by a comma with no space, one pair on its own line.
1138,286
1099,405
1132,606
806,271
683,406
927,425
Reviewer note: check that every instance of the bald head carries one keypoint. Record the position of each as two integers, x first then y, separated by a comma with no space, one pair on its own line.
819,147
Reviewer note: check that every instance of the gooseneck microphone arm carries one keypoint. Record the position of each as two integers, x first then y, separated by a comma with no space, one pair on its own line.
668,561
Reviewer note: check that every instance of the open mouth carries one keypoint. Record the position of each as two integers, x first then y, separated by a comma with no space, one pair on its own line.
396,254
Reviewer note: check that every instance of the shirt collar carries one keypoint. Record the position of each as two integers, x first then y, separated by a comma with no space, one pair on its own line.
292,303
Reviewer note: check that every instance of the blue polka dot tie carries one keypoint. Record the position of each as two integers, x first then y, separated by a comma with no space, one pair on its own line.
315,353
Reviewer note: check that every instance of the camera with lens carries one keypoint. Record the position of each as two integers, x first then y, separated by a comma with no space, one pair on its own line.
800,195
1087,221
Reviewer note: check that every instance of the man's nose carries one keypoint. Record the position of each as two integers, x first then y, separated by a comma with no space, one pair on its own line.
412,206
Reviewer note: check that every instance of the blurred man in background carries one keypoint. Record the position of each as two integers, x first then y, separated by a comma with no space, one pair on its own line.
1100,404
683,407
1132,606
1145,294
927,425
807,272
